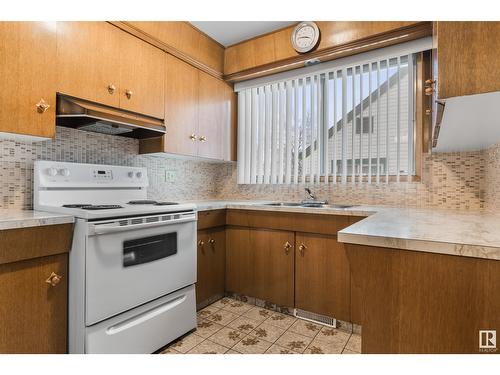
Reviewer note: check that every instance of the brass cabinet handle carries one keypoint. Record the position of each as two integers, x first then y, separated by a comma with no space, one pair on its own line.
428,112
128,94
203,138
302,249
429,91
42,106
429,82
53,279
193,137
287,246
111,88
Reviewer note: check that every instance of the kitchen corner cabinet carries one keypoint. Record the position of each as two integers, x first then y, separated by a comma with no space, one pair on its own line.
211,264
468,58
199,114
97,61
27,51
240,260
322,278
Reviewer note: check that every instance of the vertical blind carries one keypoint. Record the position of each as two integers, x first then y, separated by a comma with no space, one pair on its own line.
344,125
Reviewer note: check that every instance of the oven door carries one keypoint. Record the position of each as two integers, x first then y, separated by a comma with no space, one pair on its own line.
132,261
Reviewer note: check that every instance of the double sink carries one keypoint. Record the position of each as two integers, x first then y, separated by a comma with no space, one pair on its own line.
309,205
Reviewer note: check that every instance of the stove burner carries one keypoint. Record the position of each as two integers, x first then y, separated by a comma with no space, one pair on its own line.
151,202
142,201
92,206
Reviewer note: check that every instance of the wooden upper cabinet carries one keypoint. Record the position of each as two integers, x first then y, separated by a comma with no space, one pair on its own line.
181,107
28,94
322,279
186,39
88,61
142,77
273,265
468,58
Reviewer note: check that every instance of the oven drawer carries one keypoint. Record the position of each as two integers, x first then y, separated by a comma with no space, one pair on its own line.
146,328
126,269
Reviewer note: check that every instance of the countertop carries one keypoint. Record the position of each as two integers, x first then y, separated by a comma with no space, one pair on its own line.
12,219
451,232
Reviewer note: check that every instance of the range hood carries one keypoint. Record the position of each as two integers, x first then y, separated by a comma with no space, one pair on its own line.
85,115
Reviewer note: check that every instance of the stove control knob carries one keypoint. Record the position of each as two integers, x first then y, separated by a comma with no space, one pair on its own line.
64,172
138,174
130,174
52,172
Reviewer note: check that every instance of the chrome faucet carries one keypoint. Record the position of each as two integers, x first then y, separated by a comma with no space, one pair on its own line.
312,200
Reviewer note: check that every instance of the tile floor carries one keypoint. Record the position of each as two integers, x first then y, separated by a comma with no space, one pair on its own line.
234,327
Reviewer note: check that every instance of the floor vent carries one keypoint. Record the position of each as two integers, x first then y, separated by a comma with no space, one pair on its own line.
315,318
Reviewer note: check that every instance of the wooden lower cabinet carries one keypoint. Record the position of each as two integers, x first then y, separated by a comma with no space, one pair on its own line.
322,279
211,264
33,313
240,260
273,256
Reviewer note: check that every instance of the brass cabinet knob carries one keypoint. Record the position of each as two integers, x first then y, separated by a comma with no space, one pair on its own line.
128,93
429,91
287,246
302,249
211,241
111,88
203,138
193,137
53,279
201,243
429,82
428,112
42,106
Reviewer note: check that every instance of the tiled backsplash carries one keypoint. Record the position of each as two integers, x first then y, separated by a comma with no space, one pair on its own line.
466,180
194,179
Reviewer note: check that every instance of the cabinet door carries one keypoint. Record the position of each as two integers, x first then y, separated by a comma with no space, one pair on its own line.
181,107
88,61
142,77
322,279
274,265
211,116
229,130
468,58
211,264
239,262
27,51
33,313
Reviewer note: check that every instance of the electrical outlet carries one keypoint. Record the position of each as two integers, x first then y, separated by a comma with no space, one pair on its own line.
170,175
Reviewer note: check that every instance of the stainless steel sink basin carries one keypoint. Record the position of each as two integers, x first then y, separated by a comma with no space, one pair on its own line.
310,205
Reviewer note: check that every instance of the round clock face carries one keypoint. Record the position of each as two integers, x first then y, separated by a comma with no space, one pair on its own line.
305,37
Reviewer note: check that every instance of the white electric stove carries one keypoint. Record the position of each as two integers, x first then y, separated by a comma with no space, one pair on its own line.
132,265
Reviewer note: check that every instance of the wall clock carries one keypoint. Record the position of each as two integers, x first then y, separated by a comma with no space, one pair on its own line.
305,36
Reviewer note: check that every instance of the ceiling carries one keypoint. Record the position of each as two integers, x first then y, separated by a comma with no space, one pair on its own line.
231,32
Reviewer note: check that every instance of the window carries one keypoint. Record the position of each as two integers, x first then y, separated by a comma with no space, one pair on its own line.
348,123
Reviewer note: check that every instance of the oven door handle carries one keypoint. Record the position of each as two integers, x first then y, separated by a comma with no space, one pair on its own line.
98,229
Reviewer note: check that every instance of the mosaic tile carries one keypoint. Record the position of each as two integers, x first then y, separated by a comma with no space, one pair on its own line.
276,349
237,307
170,350
207,311
294,341
347,351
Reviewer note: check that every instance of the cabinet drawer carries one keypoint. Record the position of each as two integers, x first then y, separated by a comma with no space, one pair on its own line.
211,219
297,222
